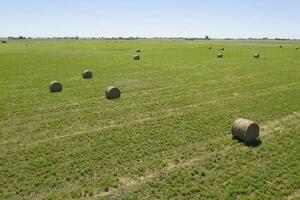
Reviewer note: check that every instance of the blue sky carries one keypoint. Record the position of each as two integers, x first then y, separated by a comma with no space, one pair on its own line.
150,18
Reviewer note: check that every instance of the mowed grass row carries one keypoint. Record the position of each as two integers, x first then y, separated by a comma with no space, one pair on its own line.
178,103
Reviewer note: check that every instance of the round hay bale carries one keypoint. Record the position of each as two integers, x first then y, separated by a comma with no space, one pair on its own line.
209,47
112,93
55,86
136,57
257,55
222,49
297,48
280,46
220,55
245,130
3,41
138,51
87,74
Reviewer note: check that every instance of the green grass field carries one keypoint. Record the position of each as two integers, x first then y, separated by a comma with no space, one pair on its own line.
167,137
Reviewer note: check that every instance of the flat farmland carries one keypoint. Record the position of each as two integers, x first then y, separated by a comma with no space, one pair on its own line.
167,137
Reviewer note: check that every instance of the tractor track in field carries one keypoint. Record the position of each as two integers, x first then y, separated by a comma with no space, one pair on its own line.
168,113
294,196
128,185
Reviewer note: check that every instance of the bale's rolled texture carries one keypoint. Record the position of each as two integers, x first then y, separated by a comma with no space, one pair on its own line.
245,130
55,86
220,55
87,74
136,57
222,49
257,55
112,93
138,51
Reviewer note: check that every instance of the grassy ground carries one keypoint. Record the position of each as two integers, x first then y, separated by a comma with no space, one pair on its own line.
169,134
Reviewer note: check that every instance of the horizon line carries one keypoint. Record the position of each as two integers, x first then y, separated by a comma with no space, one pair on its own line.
140,37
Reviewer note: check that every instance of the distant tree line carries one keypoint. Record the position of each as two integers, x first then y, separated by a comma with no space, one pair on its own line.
283,39
19,38
140,38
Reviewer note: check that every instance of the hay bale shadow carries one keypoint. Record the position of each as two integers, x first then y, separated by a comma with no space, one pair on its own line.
253,143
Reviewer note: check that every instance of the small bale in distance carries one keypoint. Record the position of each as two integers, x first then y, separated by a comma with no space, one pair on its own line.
220,55
112,93
136,57
280,46
138,50
3,41
257,55
209,47
245,130
87,74
297,48
222,49
55,86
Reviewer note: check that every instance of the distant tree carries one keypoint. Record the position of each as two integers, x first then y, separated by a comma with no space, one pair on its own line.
207,37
